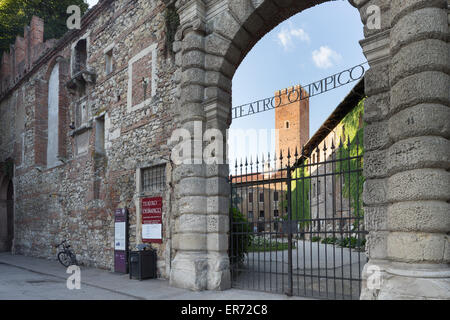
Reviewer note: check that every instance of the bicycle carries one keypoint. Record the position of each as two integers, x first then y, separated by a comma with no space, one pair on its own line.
66,257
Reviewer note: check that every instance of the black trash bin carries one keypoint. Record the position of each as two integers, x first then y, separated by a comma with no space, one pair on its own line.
143,264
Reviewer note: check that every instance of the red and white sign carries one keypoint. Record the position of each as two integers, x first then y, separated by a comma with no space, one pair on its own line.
152,219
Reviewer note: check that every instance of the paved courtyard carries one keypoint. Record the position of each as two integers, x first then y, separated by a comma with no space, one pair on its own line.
32,278
319,270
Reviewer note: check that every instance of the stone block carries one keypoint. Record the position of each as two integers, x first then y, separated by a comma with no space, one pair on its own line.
192,241
376,79
191,187
220,46
189,271
265,9
255,25
195,76
374,191
214,78
405,281
217,242
376,136
418,247
384,6
217,186
221,170
421,216
189,112
192,93
219,277
423,87
185,170
428,54
226,25
218,223
192,59
375,164
419,184
375,218
420,120
192,204
192,223
220,64
400,8
218,205
193,41
242,9
416,153
376,244
376,107
417,24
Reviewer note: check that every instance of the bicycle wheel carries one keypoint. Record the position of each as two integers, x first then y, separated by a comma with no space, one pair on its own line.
64,259
73,259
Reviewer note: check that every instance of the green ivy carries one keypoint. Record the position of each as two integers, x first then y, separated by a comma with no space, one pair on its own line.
300,187
7,168
172,24
352,181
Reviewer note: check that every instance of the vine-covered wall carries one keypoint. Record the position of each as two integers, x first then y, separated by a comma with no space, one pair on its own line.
347,141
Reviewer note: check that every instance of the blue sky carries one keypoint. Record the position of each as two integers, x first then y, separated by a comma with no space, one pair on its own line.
307,47
91,2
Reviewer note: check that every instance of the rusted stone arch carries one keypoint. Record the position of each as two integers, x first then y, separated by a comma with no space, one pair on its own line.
256,21
214,41
208,51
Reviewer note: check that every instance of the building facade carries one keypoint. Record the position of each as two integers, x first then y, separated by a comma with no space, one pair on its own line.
260,199
325,156
84,118
291,119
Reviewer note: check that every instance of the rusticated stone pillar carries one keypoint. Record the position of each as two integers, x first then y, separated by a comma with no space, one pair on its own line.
407,160
202,194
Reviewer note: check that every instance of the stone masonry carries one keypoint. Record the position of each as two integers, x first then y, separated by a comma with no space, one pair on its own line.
155,88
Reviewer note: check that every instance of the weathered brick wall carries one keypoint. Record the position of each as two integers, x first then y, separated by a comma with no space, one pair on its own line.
296,113
76,199
405,200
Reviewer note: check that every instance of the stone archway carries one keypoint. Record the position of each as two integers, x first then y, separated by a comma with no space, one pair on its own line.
6,214
406,165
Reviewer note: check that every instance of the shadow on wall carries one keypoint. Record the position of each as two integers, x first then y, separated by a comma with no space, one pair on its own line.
6,214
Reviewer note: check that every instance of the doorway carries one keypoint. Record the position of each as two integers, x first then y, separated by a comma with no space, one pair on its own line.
6,215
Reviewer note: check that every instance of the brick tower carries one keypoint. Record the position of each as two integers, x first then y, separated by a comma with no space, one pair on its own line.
291,121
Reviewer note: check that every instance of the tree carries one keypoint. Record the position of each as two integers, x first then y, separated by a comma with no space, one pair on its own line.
16,14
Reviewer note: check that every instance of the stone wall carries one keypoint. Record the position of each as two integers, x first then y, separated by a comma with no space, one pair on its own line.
406,194
407,156
75,198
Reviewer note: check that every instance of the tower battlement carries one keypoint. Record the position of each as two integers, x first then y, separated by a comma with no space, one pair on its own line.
292,119
23,54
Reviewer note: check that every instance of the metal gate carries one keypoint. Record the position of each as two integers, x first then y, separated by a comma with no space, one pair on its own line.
296,223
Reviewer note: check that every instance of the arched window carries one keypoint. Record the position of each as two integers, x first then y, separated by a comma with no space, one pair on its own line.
80,56
53,118
287,124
